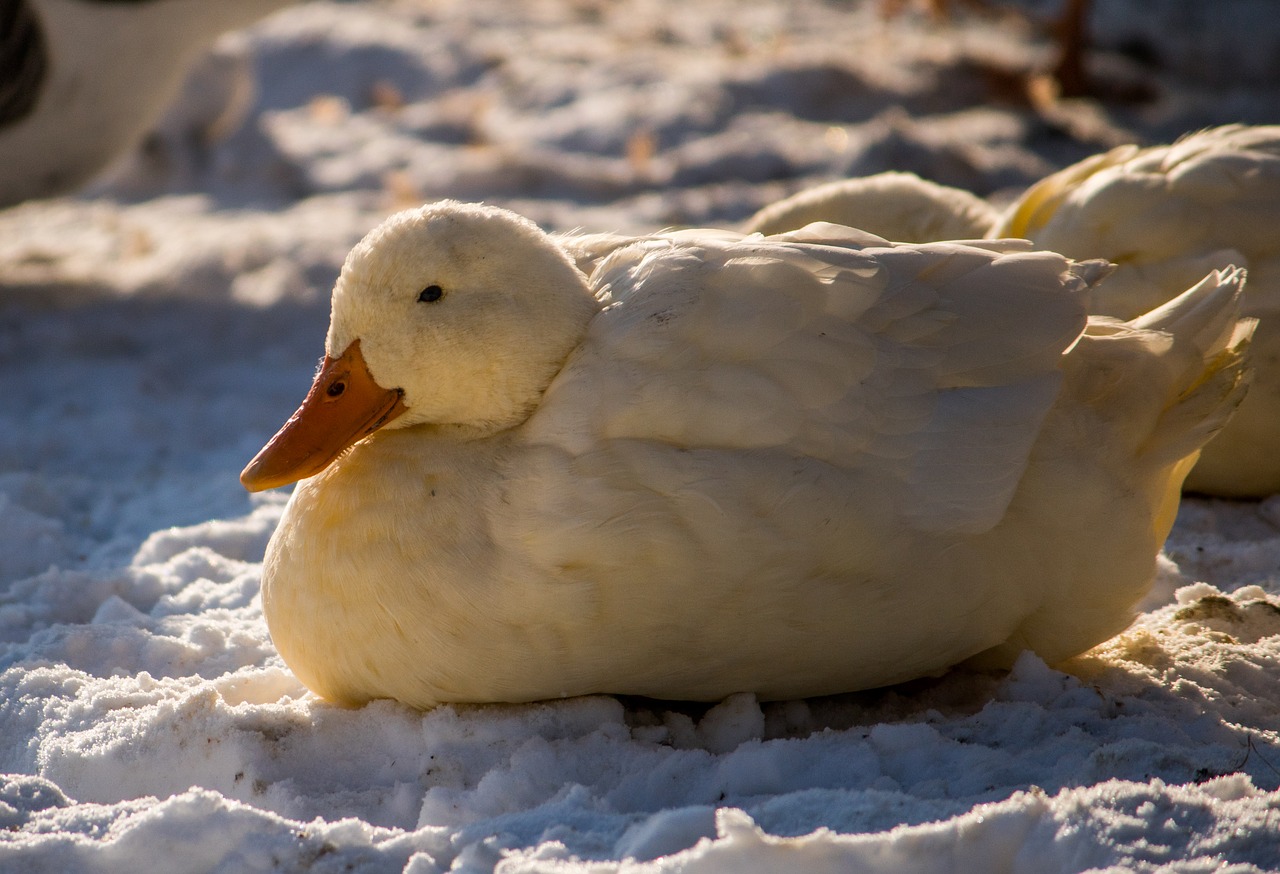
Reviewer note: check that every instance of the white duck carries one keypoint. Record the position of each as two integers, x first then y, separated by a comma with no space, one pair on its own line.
795,465
1167,215
897,206
82,80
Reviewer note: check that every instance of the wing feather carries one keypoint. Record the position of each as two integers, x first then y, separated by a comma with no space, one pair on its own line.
923,370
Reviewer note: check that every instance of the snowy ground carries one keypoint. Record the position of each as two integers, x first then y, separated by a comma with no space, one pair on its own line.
156,331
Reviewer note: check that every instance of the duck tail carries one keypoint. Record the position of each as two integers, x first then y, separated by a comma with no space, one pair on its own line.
1209,343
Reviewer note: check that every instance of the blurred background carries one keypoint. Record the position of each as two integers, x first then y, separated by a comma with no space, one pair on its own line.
667,113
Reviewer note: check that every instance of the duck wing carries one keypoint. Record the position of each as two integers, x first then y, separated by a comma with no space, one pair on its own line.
924,370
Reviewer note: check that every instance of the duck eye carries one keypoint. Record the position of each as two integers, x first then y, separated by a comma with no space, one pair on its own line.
430,294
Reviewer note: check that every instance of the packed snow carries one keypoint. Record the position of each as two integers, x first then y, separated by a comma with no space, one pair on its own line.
157,329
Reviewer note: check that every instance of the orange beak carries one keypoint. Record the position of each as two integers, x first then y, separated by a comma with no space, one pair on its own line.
344,406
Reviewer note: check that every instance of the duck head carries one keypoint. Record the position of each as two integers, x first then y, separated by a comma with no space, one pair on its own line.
453,315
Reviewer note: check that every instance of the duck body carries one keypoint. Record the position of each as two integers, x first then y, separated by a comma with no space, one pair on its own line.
794,466
505,590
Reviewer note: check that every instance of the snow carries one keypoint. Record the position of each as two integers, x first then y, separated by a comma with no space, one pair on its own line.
156,330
